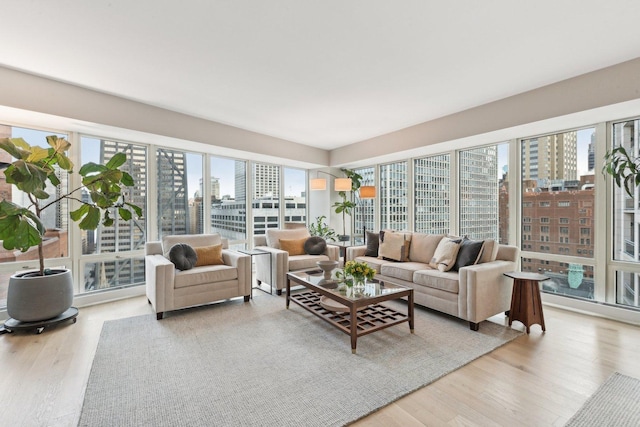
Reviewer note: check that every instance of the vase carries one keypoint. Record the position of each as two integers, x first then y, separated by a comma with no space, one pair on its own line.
358,283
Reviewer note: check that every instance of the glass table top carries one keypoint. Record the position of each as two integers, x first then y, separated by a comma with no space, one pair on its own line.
372,288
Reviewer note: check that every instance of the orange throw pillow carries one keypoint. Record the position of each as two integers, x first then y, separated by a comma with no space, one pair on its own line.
209,255
294,247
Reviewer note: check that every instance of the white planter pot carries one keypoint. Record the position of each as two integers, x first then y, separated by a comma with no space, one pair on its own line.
32,298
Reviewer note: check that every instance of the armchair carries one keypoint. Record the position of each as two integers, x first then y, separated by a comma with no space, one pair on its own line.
281,260
170,289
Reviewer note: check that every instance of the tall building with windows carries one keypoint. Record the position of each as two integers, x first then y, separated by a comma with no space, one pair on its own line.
478,188
173,200
393,196
551,157
266,181
431,194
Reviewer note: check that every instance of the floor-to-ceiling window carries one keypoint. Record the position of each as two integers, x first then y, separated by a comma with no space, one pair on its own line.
228,194
558,205
626,222
364,214
100,267
432,182
54,218
393,196
265,197
179,185
483,192
295,199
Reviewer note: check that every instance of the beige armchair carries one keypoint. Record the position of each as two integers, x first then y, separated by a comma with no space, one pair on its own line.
170,289
274,271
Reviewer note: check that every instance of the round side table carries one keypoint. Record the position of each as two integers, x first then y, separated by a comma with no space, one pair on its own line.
526,305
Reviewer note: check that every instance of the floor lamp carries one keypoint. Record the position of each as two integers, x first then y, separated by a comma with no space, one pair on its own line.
366,192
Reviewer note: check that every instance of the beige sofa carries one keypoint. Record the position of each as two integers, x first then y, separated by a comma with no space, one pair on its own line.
170,289
274,271
473,293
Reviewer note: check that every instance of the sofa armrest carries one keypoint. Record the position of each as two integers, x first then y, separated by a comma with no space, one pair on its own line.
333,252
160,274
356,251
153,248
243,263
484,290
275,273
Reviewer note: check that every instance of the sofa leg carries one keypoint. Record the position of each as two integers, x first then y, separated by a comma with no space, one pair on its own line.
160,315
259,282
474,326
148,300
246,298
279,292
506,313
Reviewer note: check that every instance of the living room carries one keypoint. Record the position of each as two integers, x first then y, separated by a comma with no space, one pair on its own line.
95,88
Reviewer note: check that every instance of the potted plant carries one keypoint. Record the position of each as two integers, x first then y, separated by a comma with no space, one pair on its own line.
346,205
624,169
47,293
321,229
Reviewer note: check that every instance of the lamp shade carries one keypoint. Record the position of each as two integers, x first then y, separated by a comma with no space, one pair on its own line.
367,192
342,184
318,184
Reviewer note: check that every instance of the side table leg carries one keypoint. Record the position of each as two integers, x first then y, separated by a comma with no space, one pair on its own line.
410,311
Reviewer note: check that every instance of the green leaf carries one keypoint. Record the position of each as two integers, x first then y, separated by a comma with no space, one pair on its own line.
13,147
125,214
116,161
137,209
91,168
91,219
127,179
79,213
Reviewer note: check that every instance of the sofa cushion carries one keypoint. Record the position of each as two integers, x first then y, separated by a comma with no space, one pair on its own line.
423,246
373,244
209,255
445,254
469,253
373,262
193,240
182,256
204,275
315,245
394,246
274,236
490,251
402,270
293,246
444,280
303,262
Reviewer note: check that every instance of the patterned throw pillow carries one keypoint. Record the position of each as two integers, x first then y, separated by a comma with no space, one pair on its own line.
446,253
209,255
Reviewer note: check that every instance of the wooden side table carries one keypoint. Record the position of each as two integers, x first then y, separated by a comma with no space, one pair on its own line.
526,305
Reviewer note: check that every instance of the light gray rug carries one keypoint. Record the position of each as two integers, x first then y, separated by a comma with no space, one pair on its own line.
242,364
614,404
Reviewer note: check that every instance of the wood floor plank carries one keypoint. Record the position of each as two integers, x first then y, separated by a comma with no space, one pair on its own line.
539,379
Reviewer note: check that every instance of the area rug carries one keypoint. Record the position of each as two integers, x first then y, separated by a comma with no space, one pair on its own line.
257,363
614,404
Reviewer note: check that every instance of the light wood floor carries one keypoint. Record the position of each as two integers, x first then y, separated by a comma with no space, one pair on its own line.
536,380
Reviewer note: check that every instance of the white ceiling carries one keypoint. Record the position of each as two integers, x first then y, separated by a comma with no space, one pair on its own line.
321,73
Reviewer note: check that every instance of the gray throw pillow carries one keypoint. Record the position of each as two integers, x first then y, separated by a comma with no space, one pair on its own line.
469,253
315,245
183,256
373,243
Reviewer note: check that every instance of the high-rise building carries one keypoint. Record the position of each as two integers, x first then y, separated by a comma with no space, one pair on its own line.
173,200
478,188
551,157
266,181
591,157
431,193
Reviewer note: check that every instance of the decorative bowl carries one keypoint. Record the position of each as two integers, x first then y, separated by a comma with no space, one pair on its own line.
327,267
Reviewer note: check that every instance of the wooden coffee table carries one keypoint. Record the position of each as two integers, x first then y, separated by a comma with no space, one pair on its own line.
363,313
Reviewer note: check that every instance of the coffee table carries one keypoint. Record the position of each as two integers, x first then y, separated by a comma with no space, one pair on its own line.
363,313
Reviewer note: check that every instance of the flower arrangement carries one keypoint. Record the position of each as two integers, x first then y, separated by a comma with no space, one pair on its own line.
357,272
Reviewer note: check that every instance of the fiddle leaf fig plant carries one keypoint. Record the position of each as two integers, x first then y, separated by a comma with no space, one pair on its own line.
34,167
624,169
346,205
